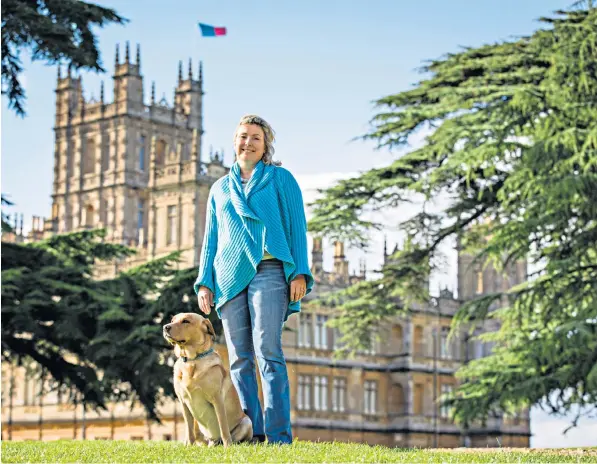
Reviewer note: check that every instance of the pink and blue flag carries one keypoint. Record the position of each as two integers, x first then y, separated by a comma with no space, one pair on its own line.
210,31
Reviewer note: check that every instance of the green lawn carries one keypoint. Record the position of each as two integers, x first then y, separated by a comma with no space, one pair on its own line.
300,451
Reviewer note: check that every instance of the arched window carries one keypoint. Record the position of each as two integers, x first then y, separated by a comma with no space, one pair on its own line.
184,150
105,153
418,341
160,152
171,226
140,222
88,220
397,339
141,160
479,287
396,400
419,399
89,157
104,212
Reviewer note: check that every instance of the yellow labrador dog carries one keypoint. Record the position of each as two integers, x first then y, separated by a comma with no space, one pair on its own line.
210,403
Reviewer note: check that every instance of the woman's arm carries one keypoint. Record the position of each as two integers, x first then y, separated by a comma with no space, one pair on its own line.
298,228
208,249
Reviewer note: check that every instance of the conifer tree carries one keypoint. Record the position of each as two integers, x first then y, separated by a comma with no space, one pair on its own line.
513,145
100,339
53,31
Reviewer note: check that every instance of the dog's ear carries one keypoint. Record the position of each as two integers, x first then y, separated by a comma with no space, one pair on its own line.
209,329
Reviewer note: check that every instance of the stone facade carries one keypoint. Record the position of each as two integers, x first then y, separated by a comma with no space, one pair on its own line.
132,168
387,395
135,169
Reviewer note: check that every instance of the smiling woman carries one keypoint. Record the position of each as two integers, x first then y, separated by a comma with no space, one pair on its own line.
254,270
249,144
257,137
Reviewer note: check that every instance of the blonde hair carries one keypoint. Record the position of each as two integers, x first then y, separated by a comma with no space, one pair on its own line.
269,135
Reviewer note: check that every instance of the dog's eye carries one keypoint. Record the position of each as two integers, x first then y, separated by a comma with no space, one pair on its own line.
185,322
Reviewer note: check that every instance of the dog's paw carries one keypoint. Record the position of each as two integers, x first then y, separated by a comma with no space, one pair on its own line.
188,442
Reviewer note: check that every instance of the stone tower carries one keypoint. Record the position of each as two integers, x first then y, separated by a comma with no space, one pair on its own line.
317,259
133,167
340,263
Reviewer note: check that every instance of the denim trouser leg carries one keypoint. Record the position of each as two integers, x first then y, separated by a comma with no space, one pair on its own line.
236,322
268,301
253,326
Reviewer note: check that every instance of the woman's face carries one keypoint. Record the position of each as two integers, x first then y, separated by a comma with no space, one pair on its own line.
249,143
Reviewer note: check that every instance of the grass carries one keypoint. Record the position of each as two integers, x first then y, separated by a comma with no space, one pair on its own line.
299,451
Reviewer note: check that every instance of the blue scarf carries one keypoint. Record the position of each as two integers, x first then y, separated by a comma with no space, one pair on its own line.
240,197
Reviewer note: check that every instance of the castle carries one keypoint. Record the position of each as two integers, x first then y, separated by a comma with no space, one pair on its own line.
132,168
135,169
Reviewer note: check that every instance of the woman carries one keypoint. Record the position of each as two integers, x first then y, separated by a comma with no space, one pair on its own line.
254,270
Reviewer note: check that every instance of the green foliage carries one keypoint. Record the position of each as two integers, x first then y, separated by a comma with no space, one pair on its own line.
53,32
50,306
6,227
514,147
100,339
178,297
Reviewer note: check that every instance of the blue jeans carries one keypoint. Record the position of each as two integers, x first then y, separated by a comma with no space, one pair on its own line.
252,324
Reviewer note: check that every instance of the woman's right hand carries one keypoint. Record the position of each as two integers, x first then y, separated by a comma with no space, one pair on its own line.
205,298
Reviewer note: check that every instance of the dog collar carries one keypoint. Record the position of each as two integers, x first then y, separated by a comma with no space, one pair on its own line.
199,356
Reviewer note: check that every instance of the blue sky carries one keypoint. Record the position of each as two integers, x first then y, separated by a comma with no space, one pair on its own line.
311,68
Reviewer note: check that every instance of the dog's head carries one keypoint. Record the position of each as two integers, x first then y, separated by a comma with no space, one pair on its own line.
189,329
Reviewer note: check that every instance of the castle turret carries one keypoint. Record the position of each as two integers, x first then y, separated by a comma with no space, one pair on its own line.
68,92
188,96
128,82
340,263
317,258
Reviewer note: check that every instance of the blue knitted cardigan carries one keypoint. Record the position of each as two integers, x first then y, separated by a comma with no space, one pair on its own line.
242,223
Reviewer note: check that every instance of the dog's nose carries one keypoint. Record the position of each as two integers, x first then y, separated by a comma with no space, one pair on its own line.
167,328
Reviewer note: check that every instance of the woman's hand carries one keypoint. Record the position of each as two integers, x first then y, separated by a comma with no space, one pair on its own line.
298,288
205,298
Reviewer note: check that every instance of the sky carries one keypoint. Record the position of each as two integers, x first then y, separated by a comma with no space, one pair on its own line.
310,68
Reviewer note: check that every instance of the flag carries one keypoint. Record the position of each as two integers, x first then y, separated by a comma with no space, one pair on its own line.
210,31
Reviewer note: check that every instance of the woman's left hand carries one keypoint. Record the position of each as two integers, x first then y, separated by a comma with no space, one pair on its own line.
298,288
